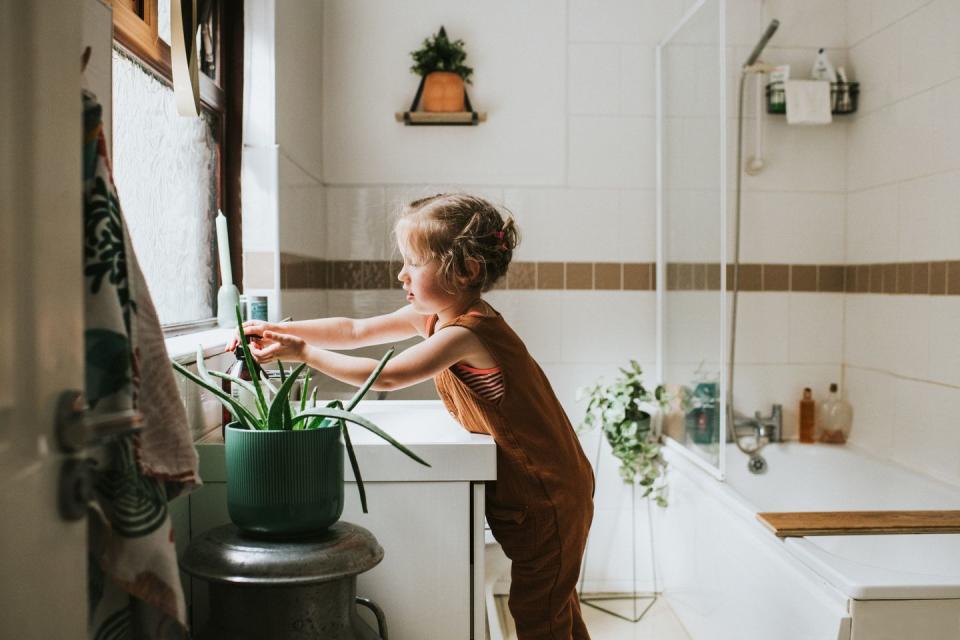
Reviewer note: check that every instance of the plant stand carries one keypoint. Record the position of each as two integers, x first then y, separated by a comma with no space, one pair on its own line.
636,599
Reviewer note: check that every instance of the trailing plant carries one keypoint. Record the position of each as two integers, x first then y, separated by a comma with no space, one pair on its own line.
439,53
274,411
621,409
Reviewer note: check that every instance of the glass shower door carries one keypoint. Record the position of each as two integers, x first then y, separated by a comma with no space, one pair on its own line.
691,198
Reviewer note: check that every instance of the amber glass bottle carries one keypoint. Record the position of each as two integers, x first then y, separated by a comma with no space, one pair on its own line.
808,411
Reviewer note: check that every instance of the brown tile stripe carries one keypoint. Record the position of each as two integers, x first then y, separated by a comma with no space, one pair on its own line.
923,278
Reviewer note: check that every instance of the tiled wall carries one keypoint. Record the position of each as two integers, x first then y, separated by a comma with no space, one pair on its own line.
902,352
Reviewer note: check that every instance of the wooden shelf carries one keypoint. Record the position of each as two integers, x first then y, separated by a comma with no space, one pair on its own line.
846,523
459,118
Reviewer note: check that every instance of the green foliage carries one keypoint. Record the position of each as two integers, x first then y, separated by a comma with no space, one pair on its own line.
440,54
618,408
275,411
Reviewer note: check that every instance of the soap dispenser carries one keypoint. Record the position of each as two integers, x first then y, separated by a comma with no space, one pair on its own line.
835,419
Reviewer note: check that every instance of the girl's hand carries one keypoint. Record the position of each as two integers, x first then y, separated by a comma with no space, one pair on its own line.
253,329
278,346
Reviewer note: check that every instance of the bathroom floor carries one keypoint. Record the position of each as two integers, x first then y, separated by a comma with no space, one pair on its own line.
659,623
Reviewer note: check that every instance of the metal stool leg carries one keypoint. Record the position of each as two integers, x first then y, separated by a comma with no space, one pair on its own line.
378,612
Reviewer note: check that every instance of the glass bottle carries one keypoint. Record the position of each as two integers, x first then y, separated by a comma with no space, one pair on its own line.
239,370
836,418
807,417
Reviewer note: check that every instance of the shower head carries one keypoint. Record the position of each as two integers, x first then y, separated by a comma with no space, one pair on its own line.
764,39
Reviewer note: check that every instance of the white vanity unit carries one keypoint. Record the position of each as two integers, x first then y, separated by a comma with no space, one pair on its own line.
429,520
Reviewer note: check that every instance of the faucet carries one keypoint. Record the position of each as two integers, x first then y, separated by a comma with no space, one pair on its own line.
769,427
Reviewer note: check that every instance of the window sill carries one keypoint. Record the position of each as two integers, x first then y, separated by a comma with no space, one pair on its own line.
183,348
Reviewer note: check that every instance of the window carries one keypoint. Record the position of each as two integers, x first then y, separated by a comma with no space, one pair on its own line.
173,173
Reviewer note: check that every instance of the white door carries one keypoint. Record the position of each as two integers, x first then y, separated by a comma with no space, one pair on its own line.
42,556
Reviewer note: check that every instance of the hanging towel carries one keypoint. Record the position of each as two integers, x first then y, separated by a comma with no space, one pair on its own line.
134,583
808,102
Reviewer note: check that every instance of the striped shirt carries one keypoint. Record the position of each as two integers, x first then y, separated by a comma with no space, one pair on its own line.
486,383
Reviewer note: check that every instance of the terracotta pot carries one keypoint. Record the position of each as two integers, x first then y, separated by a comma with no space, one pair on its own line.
443,92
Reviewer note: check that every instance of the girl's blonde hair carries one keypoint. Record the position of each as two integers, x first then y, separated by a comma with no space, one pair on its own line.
452,228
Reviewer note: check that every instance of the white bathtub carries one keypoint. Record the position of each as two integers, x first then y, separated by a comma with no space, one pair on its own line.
728,577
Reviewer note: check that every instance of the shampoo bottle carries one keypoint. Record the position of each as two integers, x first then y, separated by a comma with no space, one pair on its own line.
807,417
823,68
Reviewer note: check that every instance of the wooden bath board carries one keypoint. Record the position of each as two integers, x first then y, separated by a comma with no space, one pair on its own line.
851,523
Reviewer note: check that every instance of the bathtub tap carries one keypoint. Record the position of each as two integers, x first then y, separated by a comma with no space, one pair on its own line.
769,428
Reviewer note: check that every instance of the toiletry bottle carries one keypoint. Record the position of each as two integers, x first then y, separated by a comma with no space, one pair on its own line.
239,370
836,417
823,68
807,417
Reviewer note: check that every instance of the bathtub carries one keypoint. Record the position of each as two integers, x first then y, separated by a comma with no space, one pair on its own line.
727,577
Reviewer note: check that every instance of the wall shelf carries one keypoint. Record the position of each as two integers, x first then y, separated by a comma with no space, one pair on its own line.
459,118
415,117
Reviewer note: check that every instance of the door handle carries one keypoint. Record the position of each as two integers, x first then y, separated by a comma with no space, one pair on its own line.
76,430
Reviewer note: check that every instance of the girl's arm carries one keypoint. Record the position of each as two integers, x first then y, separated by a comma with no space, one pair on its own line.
416,364
345,333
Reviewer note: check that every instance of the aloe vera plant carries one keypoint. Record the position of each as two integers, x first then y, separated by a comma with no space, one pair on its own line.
274,411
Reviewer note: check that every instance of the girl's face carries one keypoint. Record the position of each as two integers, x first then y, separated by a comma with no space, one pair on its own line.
422,285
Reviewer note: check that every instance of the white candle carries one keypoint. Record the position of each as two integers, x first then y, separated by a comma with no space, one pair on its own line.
223,246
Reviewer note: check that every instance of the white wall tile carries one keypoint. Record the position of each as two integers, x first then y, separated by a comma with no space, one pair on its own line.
691,330
875,64
930,218
873,225
645,21
608,327
611,152
871,394
908,320
637,231
929,47
637,78
793,227
866,339
873,147
925,433
946,141
359,227
944,343
763,328
588,218
914,136
814,23
594,78
533,315
816,328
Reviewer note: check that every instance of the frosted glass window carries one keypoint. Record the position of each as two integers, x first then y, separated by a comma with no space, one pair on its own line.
165,171
163,20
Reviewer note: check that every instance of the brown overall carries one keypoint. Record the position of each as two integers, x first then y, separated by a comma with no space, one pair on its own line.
541,505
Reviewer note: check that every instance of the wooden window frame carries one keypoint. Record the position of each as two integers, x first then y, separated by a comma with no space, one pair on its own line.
138,35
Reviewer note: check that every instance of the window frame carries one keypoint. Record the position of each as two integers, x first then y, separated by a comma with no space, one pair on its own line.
135,30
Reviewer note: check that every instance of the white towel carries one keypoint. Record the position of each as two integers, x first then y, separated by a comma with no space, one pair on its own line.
808,102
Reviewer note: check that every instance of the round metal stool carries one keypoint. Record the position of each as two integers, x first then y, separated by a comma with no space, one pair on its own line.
299,589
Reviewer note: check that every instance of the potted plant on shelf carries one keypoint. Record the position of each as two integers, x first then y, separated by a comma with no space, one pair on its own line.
440,62
624,410
285,461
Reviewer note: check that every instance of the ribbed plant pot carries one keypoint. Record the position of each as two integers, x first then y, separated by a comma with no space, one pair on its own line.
284,483
443,92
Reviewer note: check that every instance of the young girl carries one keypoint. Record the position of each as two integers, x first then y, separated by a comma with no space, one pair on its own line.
454,248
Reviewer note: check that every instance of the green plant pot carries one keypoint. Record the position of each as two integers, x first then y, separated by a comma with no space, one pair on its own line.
284,483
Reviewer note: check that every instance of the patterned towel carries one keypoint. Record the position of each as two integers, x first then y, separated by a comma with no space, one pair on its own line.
134,588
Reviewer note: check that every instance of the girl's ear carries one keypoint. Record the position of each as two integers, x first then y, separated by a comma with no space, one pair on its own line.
473,271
